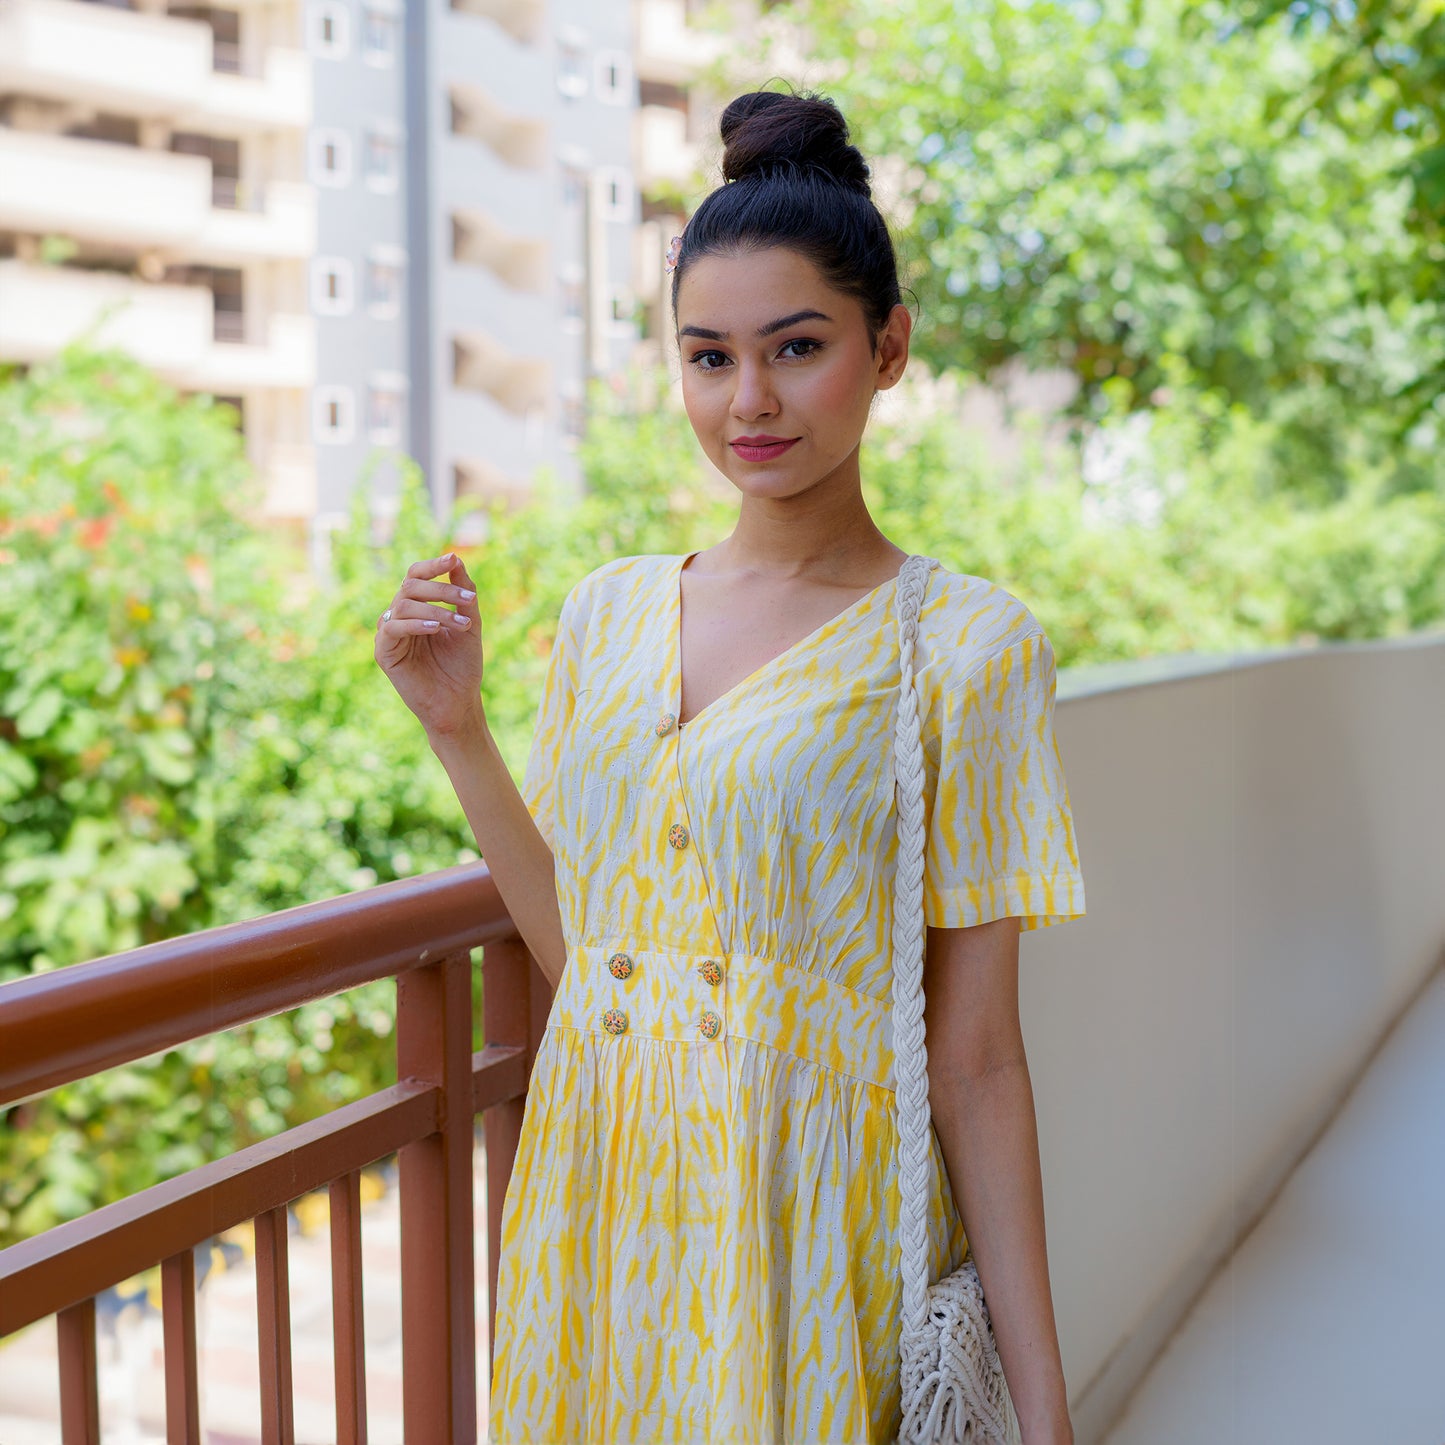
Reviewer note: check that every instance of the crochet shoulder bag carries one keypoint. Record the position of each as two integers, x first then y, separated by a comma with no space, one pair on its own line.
953,1385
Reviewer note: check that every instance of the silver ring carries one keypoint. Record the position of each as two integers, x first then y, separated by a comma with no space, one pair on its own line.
386,616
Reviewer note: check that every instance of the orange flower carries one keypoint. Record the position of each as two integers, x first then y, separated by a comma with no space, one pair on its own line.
94,531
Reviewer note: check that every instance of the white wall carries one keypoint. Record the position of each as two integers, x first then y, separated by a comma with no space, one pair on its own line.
1263,847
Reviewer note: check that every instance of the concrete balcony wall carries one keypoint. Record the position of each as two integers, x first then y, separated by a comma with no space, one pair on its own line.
479,181
126,196
282,353
283,229
288,474
279,98
111,58
663,149
170,328
99,192
519,322
1263,846
42,308
666,48
146,65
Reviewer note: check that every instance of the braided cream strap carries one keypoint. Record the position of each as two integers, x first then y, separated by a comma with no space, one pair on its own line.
953,1387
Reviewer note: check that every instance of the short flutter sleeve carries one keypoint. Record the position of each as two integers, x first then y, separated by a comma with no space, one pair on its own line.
1000,836
554,714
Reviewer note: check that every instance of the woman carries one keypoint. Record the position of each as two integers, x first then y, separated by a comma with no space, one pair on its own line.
699,1241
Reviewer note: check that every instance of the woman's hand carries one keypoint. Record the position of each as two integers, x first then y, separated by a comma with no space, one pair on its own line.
433,655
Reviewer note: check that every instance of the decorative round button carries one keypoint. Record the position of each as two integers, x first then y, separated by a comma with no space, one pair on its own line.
710,1026
614,1021
665,724
620,965
711,971
677,836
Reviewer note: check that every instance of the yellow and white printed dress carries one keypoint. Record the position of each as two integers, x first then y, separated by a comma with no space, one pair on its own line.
699,1238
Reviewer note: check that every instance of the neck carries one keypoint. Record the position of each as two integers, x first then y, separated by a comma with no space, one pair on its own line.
825,534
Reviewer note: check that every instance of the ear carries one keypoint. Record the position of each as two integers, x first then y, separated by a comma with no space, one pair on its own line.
892,353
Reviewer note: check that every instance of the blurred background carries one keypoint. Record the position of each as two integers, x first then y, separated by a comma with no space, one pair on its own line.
293,292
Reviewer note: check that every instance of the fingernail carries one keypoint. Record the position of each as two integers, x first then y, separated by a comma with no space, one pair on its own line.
465,595
460,620
428,622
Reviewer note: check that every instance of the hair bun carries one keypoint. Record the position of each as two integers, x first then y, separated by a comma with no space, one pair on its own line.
766,130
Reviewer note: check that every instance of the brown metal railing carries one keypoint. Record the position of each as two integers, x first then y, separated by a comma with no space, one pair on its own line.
66,1025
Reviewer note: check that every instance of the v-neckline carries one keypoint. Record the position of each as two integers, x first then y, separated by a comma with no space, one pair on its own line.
675,677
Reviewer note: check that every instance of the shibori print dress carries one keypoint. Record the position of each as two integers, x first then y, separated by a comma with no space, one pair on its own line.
699,1238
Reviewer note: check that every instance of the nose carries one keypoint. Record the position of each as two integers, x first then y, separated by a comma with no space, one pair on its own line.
753,394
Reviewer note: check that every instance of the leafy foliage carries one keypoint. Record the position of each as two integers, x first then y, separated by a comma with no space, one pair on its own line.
1129,189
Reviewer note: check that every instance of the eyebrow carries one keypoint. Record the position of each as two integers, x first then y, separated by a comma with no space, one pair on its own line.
766,330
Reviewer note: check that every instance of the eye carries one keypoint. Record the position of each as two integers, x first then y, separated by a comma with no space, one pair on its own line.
803,341
699,359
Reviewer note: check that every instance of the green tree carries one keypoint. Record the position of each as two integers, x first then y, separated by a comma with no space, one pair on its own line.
1117,186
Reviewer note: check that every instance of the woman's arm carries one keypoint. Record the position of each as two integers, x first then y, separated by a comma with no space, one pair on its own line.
515,851
983,1113
432,655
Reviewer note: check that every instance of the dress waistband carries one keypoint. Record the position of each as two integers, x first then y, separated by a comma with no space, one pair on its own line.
704,998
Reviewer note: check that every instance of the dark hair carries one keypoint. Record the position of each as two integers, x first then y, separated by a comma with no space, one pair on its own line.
791,178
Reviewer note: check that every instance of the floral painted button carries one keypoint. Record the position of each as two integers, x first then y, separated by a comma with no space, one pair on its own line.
711,971
677,836
665,724
620,965
710,1025
614,1021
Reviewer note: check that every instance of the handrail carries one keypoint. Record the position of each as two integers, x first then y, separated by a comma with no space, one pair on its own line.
65,1025
72,1023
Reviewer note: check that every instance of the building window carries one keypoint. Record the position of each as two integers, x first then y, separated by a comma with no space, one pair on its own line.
333,414
380,35
328,29
573,298
621,311
571,69
574,186
384,280
615,190
332,289
385,408
330,157
614,77
381,162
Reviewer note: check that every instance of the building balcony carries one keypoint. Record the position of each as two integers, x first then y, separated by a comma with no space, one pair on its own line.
663,150
1236,1058
519,140
523,20
147,65
519,262
665,47
173,329
481,363
288,474
124,196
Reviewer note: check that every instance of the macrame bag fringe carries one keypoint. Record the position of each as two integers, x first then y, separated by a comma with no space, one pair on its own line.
953,1385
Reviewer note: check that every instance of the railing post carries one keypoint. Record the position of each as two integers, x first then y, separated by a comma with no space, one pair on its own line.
438,1304
516,999
79,1383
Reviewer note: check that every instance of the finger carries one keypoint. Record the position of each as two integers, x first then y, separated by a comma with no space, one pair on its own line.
409,610
433,566
422,591
463,581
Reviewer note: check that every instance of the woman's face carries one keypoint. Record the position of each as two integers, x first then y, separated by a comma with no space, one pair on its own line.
771,351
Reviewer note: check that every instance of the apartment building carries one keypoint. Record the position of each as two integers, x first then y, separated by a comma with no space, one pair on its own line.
355,160
370,226
521,212
158,155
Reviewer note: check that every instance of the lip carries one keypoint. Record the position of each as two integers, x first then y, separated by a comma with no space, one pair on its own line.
761,449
